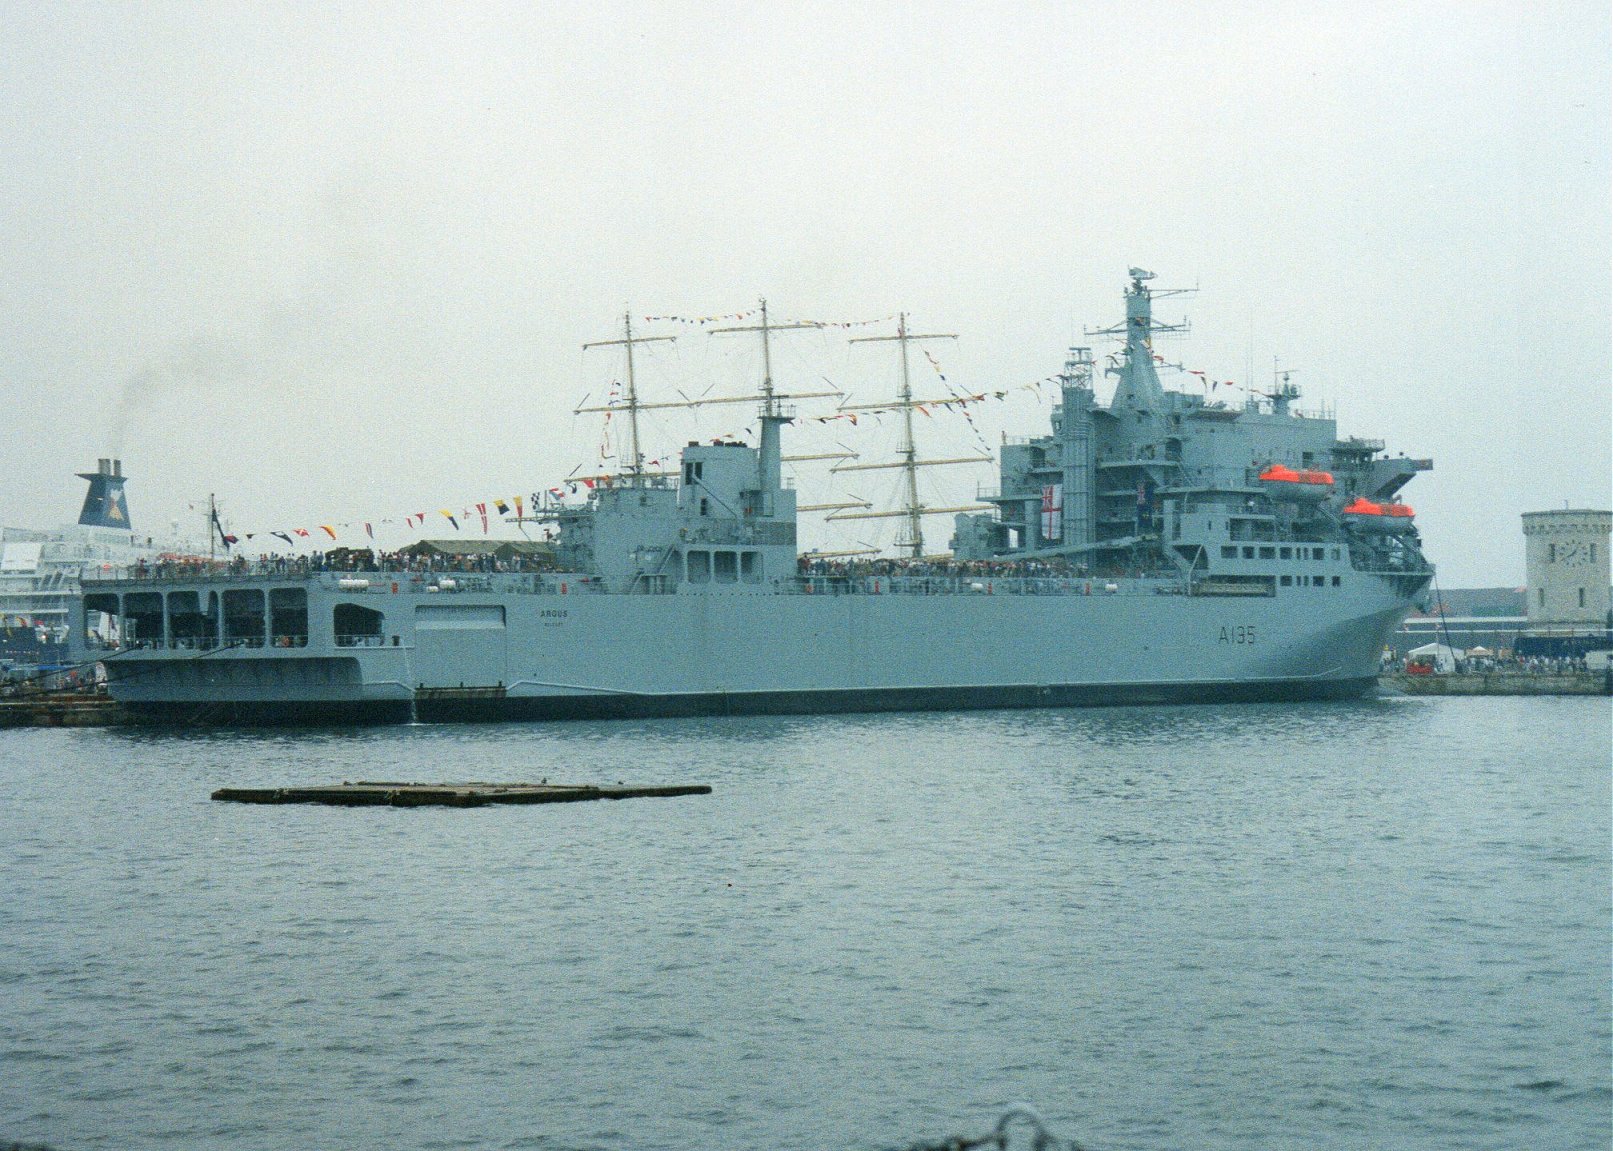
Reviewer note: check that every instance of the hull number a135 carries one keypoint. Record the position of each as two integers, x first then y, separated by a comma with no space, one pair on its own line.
1238,633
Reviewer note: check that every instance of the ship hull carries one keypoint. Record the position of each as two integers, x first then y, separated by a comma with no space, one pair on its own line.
537,655
520,709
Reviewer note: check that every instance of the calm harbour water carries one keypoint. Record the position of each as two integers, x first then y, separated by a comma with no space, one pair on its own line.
1380,924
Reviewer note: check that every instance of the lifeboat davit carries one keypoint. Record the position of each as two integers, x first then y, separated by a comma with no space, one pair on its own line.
1284,483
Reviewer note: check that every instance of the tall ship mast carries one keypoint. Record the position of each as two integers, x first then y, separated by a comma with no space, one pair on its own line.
635,453
1165,546
913,510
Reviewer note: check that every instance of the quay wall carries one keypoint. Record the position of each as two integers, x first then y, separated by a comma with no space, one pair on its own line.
1500,683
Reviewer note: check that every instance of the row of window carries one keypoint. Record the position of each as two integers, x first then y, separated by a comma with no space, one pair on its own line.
244,616
703,566
1308,581
1228,552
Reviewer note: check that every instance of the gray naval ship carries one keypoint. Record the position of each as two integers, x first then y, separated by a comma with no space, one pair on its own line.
1162,547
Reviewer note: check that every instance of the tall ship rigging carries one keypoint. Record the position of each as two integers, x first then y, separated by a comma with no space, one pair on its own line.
1162,547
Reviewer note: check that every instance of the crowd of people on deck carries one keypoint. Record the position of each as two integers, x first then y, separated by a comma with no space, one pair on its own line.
362,560
810,565
406,561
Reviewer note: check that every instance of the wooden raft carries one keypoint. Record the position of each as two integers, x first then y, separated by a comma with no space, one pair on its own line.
367,793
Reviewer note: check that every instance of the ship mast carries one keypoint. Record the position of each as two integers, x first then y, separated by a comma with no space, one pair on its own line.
909,462
769,397
772,414
1139,389
766,328
635,455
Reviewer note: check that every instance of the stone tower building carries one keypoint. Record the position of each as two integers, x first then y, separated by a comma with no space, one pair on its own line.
1568,568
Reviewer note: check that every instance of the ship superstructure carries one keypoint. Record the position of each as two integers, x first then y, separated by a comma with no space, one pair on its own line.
1211,489
1159,548
41,571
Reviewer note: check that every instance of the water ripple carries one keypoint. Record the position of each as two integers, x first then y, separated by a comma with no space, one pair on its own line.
1349,925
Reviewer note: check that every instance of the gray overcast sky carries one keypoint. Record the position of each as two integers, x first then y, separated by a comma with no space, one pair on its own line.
335,263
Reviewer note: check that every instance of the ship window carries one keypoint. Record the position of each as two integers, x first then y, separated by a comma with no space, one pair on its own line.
357,626
1318,553
142,619
1248,553
1318,581
1268,553
188,624
243,617
699,567
1551,556
750,566
1286,553
1593,553
725,567
288,616
1335,555
1335,581
1228,552
1581,597
705,506
1287,581
1542,597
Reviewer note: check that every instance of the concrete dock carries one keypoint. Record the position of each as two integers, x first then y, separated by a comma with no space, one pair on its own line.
367,793
56,709
1500,683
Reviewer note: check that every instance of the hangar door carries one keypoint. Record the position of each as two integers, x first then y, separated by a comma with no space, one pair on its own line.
459,645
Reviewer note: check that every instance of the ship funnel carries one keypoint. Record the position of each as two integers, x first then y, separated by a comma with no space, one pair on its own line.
104,504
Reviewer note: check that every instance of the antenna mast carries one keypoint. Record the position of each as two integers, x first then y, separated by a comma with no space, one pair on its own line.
635,456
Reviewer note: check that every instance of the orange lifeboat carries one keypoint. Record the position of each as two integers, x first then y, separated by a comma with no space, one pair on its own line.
1286,483
1390,517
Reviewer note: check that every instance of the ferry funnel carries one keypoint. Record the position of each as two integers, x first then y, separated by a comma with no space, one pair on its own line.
104,504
